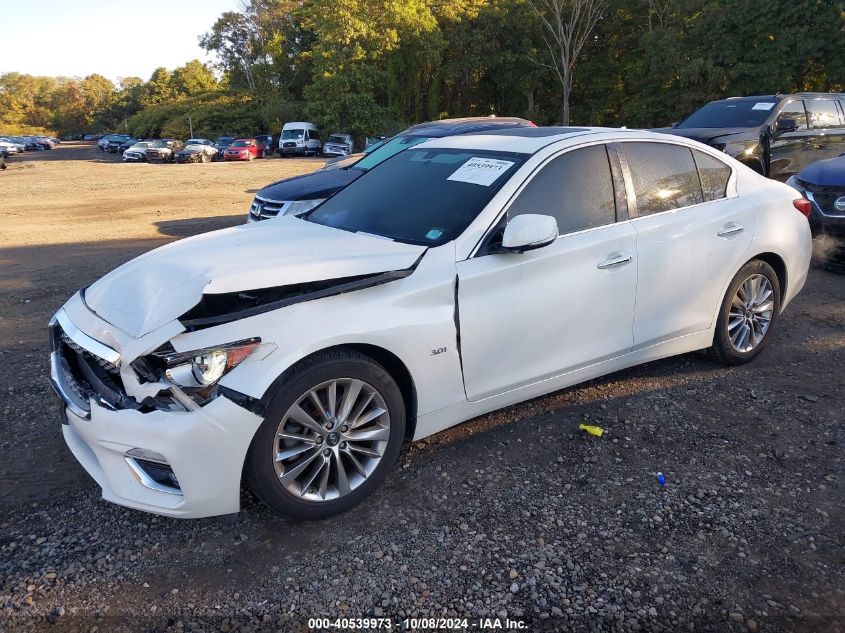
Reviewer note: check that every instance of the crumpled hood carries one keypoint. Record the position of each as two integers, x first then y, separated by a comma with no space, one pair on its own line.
708,135
160,286
825,173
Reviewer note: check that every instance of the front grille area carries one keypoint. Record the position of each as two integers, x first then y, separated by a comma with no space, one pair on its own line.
262,209
825,197
89,376
289,145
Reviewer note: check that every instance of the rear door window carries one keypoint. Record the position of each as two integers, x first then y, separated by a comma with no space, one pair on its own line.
664,176
823,113
714,175
576,188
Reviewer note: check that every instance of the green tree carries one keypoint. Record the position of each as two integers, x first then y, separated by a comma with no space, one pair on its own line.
193,78
158,89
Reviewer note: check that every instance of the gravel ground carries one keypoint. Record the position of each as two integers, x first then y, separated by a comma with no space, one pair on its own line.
514,515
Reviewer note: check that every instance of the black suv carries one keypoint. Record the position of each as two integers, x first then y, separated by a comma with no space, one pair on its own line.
297,195
776,135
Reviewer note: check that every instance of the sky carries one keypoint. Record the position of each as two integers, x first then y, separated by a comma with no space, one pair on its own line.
116,38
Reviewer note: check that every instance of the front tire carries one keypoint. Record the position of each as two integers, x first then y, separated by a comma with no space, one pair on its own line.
332,432
748,312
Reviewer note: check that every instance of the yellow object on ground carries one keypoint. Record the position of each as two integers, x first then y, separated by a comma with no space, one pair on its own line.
592,430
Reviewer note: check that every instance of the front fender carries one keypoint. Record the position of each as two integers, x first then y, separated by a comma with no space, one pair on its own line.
410,318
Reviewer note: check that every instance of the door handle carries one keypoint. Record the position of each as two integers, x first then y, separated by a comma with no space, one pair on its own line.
731,228
616,259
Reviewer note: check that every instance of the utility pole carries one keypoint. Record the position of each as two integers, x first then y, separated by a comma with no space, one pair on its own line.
191,126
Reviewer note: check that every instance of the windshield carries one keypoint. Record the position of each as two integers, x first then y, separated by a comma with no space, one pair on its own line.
423,197
334,138
388,149
240,144
745,113
225,140
141,145
159,144
292,134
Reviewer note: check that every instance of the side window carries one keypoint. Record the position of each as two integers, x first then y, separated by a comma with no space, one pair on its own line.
664,175
576,188
306,136
794,110
714,175
823,114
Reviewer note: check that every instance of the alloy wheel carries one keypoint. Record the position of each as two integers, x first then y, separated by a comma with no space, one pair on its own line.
751,312
331,439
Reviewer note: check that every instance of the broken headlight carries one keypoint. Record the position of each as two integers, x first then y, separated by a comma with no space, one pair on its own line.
204,367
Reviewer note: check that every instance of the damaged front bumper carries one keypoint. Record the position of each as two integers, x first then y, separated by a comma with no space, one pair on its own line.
161,453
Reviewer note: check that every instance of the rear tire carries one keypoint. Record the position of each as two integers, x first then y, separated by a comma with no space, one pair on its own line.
748,312
353,432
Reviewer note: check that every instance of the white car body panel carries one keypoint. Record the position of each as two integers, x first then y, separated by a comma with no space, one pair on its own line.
474,333
503,294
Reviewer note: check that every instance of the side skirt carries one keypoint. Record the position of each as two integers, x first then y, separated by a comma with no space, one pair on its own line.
441,419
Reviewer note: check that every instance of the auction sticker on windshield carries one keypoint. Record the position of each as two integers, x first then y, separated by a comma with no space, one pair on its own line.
763,106
480,171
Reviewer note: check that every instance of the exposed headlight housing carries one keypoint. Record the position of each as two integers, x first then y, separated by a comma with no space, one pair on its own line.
303,206
204,367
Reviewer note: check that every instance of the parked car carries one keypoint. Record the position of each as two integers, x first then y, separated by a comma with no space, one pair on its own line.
299,194
127,144
222,143
243,149
18,143
119,145
266,143
196,152
299,356
299,138
137,153
92,137
163,151
338,145
373,140
776,135
823,184
8,148
103,142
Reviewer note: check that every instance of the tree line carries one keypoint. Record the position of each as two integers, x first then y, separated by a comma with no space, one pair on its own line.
374,66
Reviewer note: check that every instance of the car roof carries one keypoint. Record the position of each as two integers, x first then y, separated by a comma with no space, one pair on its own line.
466,125
778,97
532,140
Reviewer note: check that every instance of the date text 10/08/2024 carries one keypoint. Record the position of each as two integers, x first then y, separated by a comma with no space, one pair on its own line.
417,624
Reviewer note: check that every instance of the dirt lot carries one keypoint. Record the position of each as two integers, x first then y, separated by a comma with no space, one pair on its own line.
517,514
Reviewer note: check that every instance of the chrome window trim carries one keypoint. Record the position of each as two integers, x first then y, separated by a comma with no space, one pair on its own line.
86,342
557,153
731,191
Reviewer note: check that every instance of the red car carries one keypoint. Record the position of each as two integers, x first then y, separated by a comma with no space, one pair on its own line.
243,149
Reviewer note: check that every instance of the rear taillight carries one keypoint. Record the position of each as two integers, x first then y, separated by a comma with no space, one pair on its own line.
803,205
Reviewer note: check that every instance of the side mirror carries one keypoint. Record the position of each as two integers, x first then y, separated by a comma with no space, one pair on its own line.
528,232
786,125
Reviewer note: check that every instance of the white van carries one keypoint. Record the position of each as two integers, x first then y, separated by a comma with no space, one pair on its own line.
300,138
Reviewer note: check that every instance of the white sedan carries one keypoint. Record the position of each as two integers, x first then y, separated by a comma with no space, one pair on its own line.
463,275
